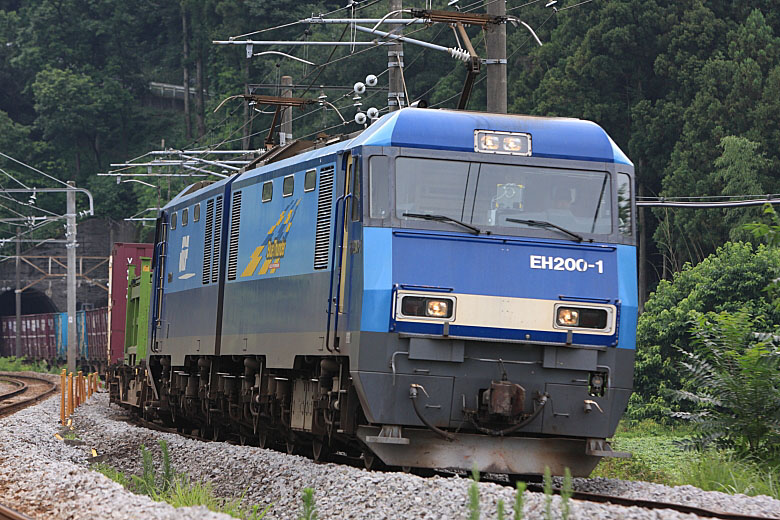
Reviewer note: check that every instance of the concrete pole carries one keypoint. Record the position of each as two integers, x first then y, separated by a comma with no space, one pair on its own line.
70,236
18,294
285,133
495,40
395,60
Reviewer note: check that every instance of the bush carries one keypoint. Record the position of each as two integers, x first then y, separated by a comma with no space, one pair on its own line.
733,278
733,384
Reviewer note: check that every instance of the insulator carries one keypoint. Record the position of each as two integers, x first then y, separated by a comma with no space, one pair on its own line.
372,113
360,118
371,80
460,54
360,87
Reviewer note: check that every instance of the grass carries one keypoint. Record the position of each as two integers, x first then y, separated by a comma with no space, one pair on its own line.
15,364
721,471
178,489
658,457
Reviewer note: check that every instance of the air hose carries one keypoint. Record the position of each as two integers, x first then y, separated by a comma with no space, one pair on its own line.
413,396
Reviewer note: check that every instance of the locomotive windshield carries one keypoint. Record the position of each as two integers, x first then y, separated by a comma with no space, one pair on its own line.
512,197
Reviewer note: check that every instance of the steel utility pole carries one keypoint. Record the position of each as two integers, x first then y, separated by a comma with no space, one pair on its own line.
495,40
18,294
70,235
395,60
285,133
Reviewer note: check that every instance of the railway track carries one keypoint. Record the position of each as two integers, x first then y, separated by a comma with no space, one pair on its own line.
9,514
538,487
26,390
652,504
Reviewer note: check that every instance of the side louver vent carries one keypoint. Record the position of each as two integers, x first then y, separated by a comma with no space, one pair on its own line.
207,241
324,204
217,240
235,224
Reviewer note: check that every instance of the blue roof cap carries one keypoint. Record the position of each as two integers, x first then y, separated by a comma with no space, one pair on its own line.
551,137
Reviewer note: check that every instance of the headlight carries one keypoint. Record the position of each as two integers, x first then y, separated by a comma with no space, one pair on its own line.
509,143
438,308
568,317
489,142
424,307
581,317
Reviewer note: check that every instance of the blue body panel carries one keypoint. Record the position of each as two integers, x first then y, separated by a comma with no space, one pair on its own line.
276,245
628,293
494,266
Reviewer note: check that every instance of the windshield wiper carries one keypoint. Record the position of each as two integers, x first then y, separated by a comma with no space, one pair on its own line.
443,218
545,224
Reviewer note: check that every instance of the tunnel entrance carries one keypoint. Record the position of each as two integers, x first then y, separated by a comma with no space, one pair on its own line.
33,302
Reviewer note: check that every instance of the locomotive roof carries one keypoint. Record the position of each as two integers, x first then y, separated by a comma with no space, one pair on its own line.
552,138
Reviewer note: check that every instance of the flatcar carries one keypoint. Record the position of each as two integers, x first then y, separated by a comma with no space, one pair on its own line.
445,289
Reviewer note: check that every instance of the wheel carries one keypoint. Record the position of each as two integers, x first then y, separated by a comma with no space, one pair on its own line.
265,439
320,450
371,461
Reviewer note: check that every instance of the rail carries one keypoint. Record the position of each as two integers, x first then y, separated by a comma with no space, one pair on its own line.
17,403
652,504
9,514
21,386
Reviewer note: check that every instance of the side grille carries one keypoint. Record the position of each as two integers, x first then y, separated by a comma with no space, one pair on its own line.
235,224
217,240
324,204
207,241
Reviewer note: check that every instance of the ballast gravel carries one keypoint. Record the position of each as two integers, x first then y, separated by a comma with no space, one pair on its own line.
45,478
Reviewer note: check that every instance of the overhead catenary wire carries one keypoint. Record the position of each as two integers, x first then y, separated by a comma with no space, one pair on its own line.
34,169
707,205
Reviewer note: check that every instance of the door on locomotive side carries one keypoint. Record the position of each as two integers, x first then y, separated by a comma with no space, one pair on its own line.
347,240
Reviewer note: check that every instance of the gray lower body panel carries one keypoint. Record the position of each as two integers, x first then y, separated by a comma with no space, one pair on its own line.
513,455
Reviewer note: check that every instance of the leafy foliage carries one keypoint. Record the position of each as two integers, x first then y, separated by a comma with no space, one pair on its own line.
308,507
733,381
733,278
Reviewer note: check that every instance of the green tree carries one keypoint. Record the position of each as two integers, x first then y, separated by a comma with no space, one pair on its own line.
733,278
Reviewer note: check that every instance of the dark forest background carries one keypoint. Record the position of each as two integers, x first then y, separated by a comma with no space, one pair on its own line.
690,90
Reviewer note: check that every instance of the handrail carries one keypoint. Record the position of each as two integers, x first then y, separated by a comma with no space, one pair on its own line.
339,200
341,266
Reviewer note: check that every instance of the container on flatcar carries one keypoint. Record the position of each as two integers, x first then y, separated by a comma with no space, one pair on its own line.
97,334
122,255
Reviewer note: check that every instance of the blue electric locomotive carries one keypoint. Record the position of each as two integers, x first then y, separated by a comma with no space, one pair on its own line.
445,289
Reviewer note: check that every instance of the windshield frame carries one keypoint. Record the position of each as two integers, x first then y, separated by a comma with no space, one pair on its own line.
612,170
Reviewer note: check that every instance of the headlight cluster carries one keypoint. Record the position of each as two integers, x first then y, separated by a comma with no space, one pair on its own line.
427,307
510,143
581,317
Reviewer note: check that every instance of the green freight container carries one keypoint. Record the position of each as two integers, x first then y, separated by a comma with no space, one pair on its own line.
139,291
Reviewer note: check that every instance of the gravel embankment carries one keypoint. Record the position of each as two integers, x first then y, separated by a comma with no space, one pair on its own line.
47,479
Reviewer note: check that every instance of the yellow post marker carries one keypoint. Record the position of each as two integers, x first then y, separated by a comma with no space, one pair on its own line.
63,378
70,394
79,396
